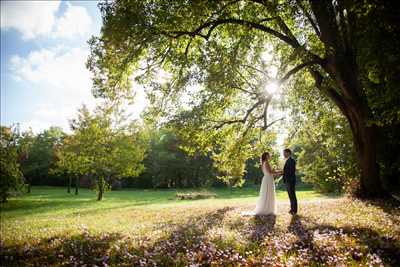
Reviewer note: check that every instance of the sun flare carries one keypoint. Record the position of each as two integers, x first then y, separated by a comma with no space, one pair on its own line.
272,87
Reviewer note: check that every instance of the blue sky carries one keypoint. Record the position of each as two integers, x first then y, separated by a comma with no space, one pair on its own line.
43,54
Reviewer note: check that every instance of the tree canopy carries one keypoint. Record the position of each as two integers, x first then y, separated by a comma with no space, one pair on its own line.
102,147
219,55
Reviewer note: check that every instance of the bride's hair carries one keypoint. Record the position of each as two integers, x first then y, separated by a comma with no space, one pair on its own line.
264,156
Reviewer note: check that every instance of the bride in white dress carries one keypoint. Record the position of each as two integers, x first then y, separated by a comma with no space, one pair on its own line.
266,203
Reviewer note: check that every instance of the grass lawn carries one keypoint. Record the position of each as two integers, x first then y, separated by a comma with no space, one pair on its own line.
151,227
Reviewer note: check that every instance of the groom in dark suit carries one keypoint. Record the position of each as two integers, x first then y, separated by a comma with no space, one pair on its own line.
289,178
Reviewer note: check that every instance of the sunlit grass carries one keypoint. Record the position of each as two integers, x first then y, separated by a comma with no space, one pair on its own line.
152,226
50,210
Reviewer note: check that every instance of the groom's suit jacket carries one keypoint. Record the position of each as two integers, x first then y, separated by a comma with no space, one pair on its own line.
289,171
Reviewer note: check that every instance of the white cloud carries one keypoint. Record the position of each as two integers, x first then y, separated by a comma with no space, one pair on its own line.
75,21
38,18
58,68
49,114
31,18
60,74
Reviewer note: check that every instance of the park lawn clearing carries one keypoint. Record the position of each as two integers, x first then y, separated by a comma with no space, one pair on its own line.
151,227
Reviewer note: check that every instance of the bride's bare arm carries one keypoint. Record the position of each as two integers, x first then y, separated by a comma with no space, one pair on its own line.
268,167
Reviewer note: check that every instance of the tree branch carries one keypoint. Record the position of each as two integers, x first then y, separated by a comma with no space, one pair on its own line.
213,24
265,112
254,68
248,112
298,68
339,100
272,123
325,17
308,16
223,123
246,81
244,90
187,48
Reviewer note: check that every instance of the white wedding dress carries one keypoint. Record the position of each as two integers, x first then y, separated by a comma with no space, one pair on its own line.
266,203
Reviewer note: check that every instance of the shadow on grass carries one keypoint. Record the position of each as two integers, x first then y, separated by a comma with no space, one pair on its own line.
116,249
187,243
390,206
388,249
60,250
263,225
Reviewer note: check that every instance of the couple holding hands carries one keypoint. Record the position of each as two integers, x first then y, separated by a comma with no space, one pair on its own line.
266,203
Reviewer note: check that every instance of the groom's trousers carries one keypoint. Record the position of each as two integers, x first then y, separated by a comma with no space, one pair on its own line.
290,187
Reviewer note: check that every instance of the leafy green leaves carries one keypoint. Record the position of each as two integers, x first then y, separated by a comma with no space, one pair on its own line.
10,173
218,47
102,147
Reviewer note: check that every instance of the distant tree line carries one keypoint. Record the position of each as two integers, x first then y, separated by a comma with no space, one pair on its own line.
103,151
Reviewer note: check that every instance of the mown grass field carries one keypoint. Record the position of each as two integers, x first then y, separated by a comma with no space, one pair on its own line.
152,227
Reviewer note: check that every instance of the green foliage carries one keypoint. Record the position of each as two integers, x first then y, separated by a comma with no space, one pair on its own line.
234,151
325,152
322,140
167,164
10,173
379,63
214,91
379,59
102,147
214,54
37,154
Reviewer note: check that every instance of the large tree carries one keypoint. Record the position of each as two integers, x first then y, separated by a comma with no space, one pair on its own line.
102,147
214,52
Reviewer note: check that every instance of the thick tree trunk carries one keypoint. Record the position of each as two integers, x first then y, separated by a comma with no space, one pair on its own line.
354,107
364,138
341,65
353,104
